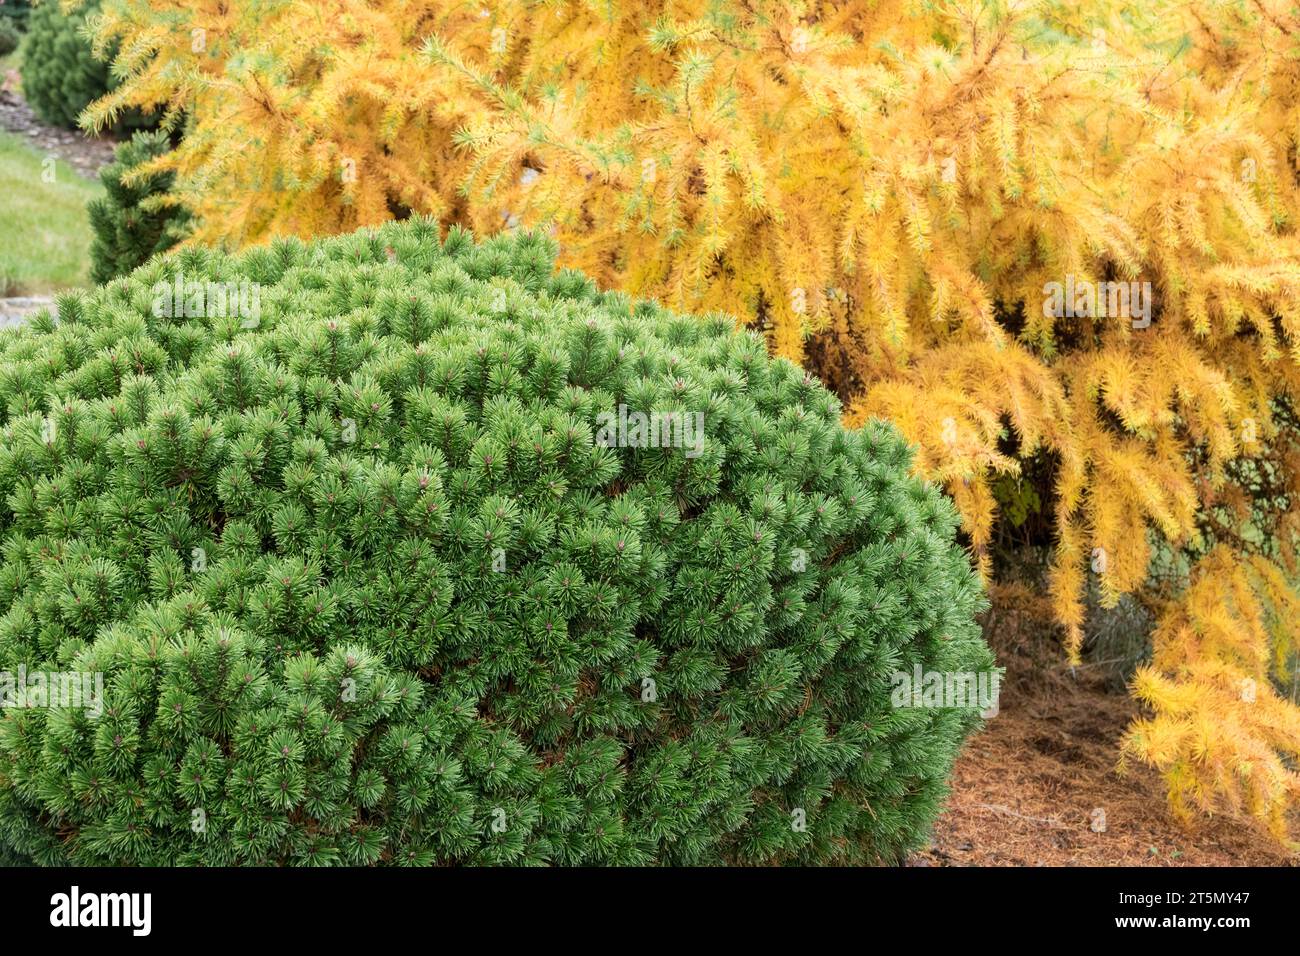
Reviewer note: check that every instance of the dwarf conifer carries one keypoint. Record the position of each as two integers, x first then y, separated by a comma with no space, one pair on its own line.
369,576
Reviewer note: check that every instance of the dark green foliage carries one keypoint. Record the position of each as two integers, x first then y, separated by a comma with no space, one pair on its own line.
129,224
365,587
15,13
10,37
60,76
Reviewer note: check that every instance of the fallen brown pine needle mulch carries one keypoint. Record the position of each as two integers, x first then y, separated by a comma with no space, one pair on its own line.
1029,790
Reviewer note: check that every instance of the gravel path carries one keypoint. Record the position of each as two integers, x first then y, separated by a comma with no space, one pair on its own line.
87,156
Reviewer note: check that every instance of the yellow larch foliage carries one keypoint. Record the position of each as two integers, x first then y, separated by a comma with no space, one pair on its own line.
1013,228
1220,731
298,117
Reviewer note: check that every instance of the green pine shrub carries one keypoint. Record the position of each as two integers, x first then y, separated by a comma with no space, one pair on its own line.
10,36
370,578
15,13
129,223
60,74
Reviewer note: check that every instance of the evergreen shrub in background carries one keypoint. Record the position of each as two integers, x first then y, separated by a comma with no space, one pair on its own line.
10,36
128,223
370,577
60,75
15,12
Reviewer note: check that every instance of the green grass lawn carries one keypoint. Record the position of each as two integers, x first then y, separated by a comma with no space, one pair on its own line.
44,230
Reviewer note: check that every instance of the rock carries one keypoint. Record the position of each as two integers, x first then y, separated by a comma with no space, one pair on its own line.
14,311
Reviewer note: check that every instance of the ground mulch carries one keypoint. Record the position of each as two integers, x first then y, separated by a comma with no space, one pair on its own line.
1026,789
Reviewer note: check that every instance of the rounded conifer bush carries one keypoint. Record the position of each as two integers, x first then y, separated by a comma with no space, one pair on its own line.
386,549
10,36
15,13
60,73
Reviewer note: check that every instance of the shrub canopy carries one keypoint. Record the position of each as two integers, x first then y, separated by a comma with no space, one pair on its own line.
62,71
61,76
10,35
368,581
